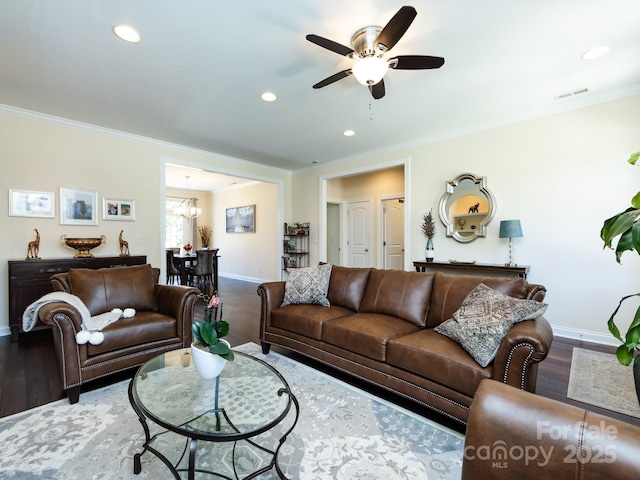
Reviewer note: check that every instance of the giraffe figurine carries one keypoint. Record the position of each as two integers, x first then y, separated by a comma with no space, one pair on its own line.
34,247
124,246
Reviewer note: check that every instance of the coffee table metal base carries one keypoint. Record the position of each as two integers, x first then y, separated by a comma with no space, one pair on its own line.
191,445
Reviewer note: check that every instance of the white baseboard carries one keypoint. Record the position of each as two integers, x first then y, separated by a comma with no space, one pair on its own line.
246,279
5,331
585,335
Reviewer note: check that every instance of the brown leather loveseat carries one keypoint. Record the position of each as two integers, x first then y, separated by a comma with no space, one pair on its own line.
515,434
162,321
380,327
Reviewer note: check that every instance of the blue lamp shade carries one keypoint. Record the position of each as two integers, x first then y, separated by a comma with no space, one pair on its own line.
510,229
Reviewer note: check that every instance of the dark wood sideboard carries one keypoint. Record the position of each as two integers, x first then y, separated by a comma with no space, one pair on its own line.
29,280
490,269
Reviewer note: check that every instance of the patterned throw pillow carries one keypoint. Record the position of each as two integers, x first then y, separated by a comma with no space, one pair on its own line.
307,285
484,318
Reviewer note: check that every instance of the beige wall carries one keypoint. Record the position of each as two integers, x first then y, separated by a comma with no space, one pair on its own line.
43,154
561,175
250,256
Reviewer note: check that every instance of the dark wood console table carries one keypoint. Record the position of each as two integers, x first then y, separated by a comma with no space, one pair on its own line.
474,268
29,280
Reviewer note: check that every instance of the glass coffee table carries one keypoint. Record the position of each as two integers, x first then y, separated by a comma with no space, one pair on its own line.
224,427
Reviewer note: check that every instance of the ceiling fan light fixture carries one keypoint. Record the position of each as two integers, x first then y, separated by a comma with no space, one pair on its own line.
370,70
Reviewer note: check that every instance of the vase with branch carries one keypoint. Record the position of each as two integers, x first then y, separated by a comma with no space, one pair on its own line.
205,236
428,230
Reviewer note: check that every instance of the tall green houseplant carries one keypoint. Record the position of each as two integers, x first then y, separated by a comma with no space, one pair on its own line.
625,225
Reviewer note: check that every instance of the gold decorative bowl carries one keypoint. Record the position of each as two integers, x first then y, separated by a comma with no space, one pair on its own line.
83,245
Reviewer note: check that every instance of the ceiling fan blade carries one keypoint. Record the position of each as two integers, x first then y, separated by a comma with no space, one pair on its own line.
415,62
330,45
377,90
396,28
333,78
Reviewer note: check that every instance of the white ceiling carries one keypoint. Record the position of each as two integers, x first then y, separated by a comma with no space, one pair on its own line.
196,77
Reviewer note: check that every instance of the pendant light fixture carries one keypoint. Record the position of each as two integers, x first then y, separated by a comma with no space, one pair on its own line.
187,208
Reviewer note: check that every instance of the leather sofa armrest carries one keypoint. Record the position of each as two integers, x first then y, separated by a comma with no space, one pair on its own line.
271,297
178,302
515,434
51,312
524,345
66,322
535,292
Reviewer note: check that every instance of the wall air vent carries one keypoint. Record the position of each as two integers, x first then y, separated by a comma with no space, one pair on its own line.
564,95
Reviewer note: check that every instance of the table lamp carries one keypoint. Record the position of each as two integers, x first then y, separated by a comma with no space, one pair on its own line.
510,229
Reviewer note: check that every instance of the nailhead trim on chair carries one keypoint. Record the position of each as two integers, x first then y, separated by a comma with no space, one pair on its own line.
64,369
523,373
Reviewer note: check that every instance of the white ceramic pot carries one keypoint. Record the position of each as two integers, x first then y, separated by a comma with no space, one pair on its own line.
208,365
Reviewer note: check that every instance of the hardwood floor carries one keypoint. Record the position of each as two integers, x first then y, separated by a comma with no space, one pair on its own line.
29,376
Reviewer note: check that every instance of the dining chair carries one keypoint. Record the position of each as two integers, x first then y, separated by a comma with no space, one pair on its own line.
201,275
173,273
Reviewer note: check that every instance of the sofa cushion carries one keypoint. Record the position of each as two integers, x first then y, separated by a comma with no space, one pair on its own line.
449,291
438,358
484,318
307,286
405,295
347,286
306,320
146,327
365,333
104,289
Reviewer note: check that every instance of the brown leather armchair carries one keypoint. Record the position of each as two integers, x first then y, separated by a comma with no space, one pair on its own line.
162,321
515,434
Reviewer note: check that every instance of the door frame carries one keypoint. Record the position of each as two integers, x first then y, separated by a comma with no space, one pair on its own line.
164,160
322,224
341,227
380,214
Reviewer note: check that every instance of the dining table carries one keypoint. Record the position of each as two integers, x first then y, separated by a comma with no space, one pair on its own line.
181,261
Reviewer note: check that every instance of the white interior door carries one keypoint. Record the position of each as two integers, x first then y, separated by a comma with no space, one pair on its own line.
359,234
393,233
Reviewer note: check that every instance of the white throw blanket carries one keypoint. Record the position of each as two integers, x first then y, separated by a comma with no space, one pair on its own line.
91,326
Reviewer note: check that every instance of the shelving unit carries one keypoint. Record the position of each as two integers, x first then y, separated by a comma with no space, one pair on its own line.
296,246
471,221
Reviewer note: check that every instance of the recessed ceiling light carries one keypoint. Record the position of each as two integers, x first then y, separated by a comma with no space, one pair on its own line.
269,97
348,133
127,33
594,53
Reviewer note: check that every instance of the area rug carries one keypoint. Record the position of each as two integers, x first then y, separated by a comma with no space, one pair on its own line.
343,433
599,379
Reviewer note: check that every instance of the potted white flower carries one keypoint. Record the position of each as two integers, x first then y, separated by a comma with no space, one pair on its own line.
210,352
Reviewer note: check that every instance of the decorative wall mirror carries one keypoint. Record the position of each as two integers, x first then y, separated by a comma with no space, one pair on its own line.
466,207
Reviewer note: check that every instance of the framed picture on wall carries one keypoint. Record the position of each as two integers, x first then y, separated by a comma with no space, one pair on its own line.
27,203
118,209
78,207
241,219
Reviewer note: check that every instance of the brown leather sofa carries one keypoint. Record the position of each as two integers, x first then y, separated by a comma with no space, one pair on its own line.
380,328
515,434
162,321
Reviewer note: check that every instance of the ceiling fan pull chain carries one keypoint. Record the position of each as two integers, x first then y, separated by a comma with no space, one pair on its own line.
370,111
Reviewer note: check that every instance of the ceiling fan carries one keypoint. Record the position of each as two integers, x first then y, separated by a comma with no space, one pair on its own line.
369,45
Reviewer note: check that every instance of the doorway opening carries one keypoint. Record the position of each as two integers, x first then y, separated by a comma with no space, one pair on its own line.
356,199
